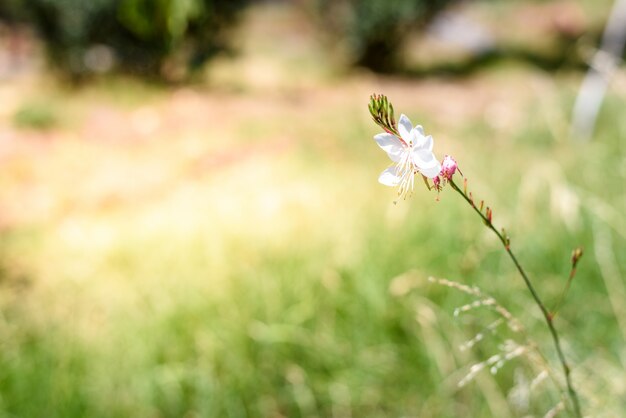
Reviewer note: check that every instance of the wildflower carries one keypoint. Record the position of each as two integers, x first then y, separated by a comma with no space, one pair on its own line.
448,167
412,153
437,183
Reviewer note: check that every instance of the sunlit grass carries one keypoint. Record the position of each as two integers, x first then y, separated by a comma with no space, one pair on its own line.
243,266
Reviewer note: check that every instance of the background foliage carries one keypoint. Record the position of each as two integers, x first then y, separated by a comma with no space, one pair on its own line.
371,32
144,36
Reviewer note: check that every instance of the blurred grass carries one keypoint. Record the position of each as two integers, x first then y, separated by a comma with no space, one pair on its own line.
36,115
229,253
261,287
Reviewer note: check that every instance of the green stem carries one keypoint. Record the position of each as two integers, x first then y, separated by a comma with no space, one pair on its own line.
546,314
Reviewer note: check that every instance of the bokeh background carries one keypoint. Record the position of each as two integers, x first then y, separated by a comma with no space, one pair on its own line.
191,224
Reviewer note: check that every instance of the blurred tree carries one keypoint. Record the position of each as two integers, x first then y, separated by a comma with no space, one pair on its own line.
153,37
373,30
10,12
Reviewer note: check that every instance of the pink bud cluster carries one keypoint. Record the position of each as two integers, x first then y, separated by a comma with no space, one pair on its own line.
448,168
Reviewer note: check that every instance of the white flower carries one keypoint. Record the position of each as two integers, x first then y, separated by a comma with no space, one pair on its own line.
411,153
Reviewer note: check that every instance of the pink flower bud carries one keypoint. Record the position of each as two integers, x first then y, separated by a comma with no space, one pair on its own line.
448,167
437,183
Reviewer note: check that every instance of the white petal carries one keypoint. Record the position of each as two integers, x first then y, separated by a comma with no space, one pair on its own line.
423,158
391,144
405,127
389,177
431,172
426,162
416,138
420,129
428,143
422,142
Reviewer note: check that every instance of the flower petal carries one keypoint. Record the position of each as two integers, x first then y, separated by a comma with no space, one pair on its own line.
423,142
389,177
431,172
426,162
405,127
423,158
428,143
416,138
391,144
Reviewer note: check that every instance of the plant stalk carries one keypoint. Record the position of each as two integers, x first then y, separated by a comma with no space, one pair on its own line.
546,314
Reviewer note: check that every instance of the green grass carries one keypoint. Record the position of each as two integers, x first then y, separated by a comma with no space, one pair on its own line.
36,115
265,288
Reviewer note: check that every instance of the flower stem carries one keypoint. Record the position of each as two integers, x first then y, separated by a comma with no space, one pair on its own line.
546,314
